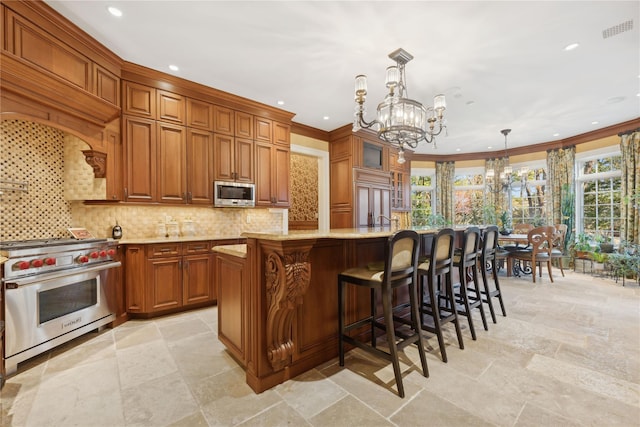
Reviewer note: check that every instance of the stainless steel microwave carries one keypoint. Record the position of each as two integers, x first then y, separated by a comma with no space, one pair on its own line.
234,194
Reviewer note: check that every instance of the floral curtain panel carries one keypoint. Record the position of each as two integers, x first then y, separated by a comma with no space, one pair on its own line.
560,186
630,209
445,173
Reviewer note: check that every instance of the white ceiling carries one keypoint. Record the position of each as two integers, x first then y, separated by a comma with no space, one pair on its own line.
500,64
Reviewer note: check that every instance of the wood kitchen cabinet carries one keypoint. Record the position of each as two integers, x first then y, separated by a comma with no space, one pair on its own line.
231,279
140,159
373,198
400,182
172,163
272,155
200,165
114,165
169,276
234,159
272,175
360,180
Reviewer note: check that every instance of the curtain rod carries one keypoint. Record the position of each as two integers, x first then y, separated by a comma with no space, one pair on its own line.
629,132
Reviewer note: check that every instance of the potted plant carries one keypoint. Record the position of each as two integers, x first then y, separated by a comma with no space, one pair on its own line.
604,243
582,246
505,223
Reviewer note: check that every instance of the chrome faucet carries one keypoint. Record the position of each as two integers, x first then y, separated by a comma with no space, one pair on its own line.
394,219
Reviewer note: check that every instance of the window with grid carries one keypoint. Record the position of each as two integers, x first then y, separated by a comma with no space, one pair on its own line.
528,195
469,197
422,197
599,196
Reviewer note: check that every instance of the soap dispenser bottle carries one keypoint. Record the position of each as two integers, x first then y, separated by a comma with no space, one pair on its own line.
116,231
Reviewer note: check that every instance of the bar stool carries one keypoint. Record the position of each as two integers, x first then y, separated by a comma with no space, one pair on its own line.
400,269
467,262
438,268
489,260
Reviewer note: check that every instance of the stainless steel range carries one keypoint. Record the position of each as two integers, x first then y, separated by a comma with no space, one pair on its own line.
54,292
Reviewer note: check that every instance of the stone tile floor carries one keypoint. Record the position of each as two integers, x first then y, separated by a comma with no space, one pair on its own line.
566,354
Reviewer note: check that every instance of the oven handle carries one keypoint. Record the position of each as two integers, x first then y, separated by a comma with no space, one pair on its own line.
15,284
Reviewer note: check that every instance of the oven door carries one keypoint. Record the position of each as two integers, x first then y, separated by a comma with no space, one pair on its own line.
40,309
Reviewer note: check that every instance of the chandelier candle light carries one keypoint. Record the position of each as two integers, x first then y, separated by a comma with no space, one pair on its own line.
400,120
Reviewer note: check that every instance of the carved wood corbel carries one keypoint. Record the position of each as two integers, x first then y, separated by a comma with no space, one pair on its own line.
98,161
287,279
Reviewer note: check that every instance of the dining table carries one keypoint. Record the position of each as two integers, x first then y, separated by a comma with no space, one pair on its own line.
520,241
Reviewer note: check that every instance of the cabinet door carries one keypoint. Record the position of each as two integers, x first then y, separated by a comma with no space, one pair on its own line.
363,214
135,279
140,159
244,125
197,279
171,107
172,162
199,114
263,173
200,167
231,287
114,165
224,157
164,283
263,129
281,134
280,176
380,202
244,160
223,120
106,85
139,100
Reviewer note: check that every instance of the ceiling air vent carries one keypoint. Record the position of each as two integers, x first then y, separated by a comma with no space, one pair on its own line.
617,29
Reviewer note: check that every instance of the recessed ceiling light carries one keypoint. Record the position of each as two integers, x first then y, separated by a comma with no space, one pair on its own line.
615,99
489,147
457,149
114,11
280,102
325,118
173,67
595,122
571,46
556,134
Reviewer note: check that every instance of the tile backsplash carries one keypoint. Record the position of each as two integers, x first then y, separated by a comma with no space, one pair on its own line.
58,178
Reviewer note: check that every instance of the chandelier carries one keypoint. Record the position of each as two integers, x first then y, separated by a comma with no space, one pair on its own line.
505,182
400,120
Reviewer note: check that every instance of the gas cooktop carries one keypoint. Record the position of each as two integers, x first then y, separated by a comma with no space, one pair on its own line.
41,243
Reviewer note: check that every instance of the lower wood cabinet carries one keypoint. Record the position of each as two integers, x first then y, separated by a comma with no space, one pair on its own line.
231,279
169,276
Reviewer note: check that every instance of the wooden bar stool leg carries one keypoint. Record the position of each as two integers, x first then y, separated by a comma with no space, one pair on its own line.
465,299
476,287
433,300
449,284
391,338
487,292
415,321
341,321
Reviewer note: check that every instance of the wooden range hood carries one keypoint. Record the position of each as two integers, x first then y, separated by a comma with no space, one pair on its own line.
36,84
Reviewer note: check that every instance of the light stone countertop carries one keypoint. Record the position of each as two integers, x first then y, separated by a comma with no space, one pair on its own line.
239,251
338,233
198,238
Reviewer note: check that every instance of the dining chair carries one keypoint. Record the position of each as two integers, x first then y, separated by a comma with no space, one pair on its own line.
557,252
400,270
540,240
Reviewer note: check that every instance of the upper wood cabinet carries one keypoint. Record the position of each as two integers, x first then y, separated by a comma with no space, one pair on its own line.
272,175
106,85
139,100
223,120
172,163
281,134
140,159
171,107
200,164
234,159
199,114
244,125
263,129
115,164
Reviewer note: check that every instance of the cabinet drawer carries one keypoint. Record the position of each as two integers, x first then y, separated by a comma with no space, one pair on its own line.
202,247
164,250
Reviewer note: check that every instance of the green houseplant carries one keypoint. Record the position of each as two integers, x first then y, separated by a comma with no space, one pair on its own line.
505,223
582,246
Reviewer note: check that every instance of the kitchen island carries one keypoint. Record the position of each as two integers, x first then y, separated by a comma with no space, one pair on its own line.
280,317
